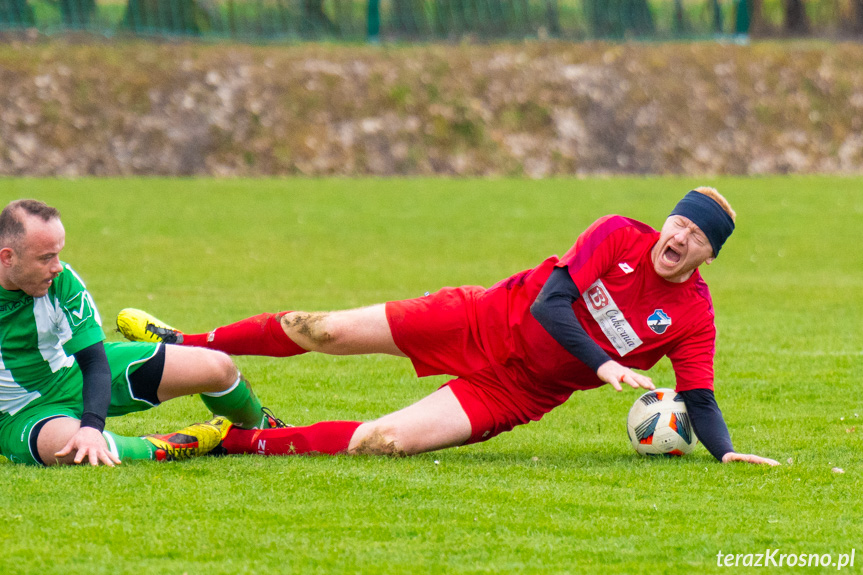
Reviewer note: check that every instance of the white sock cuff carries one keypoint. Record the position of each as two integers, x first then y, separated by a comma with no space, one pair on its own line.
227,391
112,445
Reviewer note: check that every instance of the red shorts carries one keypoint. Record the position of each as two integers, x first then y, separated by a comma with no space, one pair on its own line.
440,334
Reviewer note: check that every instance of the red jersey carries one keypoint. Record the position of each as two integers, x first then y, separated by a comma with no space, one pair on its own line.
636,316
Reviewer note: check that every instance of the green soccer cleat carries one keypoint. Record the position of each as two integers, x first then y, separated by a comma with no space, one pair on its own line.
192,441
138,325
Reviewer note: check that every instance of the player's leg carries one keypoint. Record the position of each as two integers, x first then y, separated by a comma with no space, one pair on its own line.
52,436
282,334
346,332
197,439
37,433
213,375
257,335
435,422
34,436
147,374
55,434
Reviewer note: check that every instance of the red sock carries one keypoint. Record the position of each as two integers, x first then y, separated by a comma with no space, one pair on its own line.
258,335
326,437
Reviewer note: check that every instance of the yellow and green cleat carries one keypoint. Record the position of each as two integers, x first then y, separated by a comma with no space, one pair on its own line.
192,441
138,325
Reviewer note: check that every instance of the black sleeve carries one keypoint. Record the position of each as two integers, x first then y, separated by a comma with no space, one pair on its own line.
707,421
553,310
97,385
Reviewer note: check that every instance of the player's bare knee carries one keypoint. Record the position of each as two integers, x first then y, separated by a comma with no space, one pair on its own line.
224,371
309,327
380,441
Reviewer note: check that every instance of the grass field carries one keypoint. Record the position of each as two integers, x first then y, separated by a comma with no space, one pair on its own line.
564,495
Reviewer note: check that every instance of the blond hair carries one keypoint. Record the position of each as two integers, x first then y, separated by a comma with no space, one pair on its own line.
719,198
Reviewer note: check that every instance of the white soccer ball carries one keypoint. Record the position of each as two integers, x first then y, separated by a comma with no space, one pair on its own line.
658,424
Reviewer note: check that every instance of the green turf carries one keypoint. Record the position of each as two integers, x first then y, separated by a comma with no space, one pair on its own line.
565,495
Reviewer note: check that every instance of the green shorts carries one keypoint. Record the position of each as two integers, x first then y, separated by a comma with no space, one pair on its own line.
124,359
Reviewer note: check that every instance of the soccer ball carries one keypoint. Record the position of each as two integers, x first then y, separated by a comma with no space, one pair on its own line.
658,424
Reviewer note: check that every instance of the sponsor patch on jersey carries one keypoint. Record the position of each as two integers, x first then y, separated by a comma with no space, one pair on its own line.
610,319
79,308
658,321
627,269
596,297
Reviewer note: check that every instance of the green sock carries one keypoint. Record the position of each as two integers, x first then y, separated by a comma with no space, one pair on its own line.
239,404
129,447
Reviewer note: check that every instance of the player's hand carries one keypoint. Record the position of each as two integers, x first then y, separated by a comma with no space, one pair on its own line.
90,444
748,458
615,374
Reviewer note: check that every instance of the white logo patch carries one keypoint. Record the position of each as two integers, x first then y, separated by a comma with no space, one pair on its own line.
610,318
625,267
79,308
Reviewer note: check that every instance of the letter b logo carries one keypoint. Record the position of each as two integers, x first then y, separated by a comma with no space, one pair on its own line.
598,298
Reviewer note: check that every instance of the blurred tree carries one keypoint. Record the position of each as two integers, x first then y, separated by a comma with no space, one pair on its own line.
796,20
407,17
552,18
166,16
617,18
77,14
716,9
858,16
484,17
16,13
315,20
681,24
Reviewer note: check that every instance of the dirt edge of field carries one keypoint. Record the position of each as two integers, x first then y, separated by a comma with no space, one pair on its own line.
534,109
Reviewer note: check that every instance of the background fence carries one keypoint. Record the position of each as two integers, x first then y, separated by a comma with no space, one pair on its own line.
447,20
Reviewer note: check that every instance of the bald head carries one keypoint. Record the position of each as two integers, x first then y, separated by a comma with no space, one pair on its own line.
13,220
31,238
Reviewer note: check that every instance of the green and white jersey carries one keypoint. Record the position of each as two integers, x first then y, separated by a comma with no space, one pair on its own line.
38,337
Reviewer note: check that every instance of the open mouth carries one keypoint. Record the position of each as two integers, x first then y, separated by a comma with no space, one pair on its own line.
671,256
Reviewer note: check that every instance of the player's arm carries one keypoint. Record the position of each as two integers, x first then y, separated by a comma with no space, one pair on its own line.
710,427
88,442
707,421
553,310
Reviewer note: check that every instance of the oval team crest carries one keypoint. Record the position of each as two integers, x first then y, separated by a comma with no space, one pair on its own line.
658,321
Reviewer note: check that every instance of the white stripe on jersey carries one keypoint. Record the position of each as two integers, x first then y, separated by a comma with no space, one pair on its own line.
13,397
53,330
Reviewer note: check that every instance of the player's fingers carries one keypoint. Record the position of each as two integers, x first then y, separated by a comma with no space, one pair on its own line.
79,456
763,460
629,378
641,380
109,458
64,452
615,384
645,382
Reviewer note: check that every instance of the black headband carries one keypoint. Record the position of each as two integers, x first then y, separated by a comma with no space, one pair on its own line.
707,214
